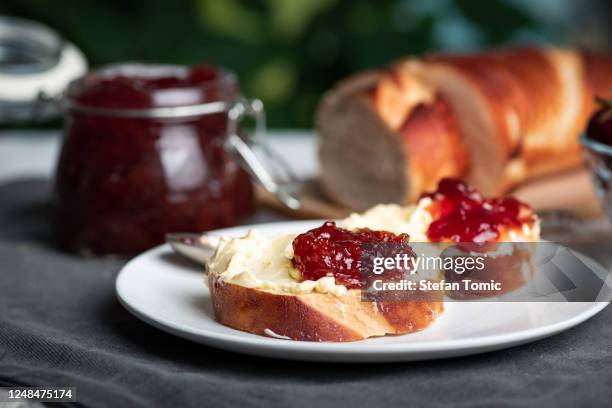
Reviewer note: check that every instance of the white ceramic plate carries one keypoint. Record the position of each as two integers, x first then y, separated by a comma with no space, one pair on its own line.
169,293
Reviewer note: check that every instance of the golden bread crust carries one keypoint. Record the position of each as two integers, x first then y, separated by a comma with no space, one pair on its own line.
316,316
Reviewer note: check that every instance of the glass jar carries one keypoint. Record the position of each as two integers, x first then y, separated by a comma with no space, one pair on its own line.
598,158
143,155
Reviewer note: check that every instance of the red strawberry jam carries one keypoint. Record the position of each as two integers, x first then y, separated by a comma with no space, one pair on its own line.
462,214
329,250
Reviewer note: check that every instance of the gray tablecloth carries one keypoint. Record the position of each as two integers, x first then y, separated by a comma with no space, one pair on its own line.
61,325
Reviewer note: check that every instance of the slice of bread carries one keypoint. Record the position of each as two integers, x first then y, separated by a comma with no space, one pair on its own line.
316,316
510,265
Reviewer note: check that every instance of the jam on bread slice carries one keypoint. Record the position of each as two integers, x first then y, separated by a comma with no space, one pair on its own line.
321,253
338,252
461,214
502,229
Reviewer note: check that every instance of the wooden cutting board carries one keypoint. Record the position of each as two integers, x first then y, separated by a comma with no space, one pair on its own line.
570,191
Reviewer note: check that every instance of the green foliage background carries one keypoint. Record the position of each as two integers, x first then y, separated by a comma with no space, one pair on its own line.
287,52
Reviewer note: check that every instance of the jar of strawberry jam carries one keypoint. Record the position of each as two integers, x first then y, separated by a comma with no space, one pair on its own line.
145,153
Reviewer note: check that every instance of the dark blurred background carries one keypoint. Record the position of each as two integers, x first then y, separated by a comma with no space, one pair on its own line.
288,52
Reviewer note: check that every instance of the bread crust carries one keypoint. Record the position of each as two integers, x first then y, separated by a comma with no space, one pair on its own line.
315,316
440,154
598,68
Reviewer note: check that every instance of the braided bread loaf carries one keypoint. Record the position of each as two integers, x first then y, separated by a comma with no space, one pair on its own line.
495,119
